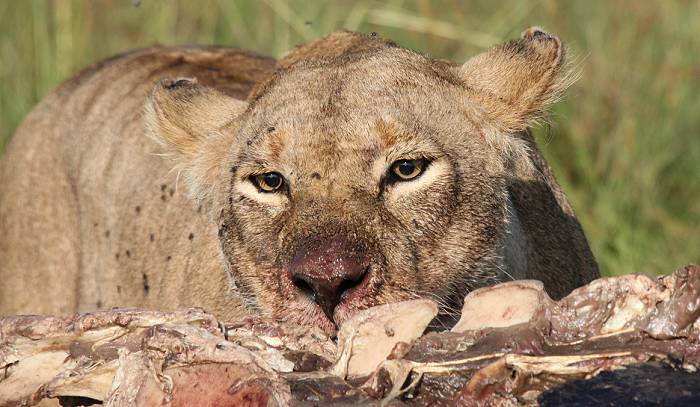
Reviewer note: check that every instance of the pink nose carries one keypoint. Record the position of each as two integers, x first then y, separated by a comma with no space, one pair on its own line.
328,272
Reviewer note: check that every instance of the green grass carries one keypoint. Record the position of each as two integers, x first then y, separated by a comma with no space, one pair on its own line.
624,143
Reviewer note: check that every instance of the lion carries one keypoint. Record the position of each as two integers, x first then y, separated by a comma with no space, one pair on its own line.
350,173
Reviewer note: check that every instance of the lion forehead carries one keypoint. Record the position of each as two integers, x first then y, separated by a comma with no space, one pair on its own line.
335,104
357,80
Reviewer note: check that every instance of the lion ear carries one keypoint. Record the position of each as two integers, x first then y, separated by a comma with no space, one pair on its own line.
514,83
196,126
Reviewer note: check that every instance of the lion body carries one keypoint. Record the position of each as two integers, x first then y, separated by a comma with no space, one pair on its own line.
91,215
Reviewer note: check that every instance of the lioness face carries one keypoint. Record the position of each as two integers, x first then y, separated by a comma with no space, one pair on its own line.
372,177
352,187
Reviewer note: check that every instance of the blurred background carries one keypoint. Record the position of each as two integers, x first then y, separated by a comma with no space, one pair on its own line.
624,143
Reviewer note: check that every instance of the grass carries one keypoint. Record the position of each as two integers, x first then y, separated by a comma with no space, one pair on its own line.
624,143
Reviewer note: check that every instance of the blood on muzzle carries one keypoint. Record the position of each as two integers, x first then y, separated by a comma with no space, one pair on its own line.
327,271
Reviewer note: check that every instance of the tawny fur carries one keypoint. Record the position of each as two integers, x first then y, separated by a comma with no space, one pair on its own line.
105,202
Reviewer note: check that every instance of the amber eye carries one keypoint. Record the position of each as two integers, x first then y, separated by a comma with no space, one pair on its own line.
269,181
405,170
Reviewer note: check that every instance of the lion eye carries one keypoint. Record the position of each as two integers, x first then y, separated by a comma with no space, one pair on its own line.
405,170
268,182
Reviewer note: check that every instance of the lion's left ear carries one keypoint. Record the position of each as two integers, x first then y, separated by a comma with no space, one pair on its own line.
196,126
514,83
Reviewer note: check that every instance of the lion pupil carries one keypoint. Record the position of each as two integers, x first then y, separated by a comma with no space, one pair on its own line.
407,168
272,180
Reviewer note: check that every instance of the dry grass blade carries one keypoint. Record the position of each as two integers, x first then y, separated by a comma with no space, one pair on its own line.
411,22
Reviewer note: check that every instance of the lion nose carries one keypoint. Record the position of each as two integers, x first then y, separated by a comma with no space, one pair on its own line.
328,274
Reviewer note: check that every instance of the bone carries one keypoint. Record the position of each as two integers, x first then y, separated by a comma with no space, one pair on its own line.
369,337
512,346
504,305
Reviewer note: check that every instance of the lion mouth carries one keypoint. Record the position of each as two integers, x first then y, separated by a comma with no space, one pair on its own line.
334,299
308,305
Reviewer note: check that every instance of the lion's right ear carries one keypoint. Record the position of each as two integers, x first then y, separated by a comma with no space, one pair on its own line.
196,126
